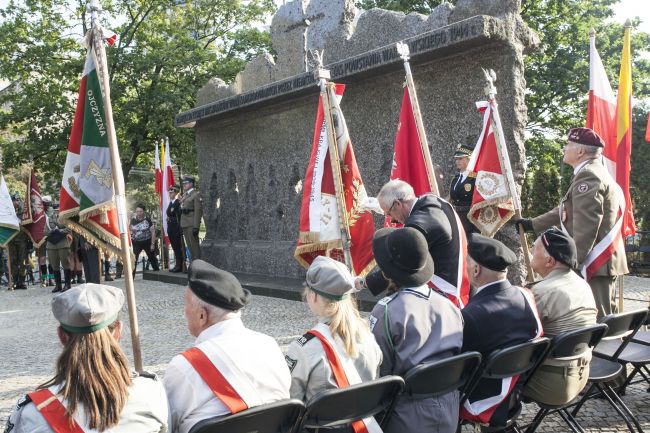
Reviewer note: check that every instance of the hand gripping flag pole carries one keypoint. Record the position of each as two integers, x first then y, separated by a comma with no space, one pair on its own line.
504,158
99,55
403,50
327,93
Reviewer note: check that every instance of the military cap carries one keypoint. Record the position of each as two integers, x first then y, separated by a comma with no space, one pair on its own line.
87,308
188,179
216,286
329,278
465,150
560,246
403,256
490,253
174,188
47,199
585,136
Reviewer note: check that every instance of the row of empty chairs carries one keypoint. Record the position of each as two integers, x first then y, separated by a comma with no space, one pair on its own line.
614,342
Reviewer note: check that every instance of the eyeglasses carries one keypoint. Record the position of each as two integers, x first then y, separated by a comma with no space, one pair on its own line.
390,209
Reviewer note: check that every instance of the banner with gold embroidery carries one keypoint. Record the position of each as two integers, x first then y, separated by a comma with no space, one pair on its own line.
492,204
320,232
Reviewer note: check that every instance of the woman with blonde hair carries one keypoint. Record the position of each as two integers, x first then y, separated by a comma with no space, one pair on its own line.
340,350
92,388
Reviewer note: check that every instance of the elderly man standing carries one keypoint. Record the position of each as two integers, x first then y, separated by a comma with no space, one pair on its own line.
499,315
230,368
434,218
589,213
564,303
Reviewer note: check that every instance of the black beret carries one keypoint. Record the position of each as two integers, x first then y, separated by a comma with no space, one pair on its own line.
216,286
560,246
585,136
490,253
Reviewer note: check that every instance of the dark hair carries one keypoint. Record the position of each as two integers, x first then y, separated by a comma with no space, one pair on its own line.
141,206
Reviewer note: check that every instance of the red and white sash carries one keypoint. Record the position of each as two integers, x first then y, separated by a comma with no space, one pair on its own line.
458,293
222,375
344,372
482,410
602,252
54,412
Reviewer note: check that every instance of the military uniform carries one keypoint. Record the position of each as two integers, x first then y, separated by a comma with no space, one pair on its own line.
588,213
18,247
175,233
58,250
191,214
461,192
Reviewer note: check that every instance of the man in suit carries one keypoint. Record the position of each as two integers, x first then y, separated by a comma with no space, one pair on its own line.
436,220
499,315
461,189
174,231
590,213
191,214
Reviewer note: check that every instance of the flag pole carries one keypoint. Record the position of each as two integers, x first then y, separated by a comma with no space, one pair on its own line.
326,92
404,52
504,158
118,179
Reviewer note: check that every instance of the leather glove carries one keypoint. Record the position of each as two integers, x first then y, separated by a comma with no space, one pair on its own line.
195,232
525,223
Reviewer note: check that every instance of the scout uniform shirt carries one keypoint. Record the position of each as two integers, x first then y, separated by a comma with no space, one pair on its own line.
145,411
251,362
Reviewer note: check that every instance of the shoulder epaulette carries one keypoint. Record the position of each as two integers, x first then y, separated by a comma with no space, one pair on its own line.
305,338
386,300
472,174
147,374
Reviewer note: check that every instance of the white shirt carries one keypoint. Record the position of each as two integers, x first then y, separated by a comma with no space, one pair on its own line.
488,284
256,356
579,166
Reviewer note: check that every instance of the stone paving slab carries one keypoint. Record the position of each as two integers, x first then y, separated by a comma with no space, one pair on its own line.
30,345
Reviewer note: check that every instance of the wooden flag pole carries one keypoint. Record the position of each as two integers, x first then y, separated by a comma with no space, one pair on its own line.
403,50
504,158
118,179
326,93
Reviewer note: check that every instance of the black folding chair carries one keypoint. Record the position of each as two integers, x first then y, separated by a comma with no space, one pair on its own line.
339,407
566,347
606,367
520,360
438,378
278,417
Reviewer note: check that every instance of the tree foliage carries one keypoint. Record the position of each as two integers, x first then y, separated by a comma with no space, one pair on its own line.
165,52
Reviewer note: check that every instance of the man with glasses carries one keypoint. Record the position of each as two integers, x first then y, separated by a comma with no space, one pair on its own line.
591,213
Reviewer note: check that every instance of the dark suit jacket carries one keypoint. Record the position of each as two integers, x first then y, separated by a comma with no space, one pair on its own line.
174,218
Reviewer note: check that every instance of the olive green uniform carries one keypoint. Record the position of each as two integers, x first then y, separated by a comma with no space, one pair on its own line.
191,214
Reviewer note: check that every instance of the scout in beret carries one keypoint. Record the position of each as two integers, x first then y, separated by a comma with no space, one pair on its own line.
328,294
92,374
226,354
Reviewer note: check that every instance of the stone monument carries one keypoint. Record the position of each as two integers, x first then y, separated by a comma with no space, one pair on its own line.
254,136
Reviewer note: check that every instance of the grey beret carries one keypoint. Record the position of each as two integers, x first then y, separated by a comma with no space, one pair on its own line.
329,278
87,308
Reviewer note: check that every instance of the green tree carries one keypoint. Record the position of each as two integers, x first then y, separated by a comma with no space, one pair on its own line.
165,52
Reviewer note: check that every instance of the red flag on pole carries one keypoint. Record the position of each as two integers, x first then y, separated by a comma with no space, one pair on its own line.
409,165
491,204
33,219
319,223
647,130
167,182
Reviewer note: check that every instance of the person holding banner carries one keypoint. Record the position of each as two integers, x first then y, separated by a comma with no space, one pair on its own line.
461,189
17,249
340,350
174,231
93,388
414,325
592,213
231,368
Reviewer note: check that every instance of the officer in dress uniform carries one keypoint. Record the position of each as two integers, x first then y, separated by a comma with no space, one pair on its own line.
461,189
226,355
589,212
58,250
191,214
104,395
18,249
174,231
414,325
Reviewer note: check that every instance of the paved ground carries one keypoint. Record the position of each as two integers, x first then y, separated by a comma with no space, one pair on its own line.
29,343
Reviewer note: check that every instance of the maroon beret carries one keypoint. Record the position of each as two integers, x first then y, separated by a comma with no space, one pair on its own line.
585,136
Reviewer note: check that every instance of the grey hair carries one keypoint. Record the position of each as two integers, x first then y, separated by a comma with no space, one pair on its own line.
394,190
215,314
591,150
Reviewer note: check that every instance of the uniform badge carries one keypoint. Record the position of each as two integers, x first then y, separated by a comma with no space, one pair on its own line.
583,187
468,187
372,321
291,363
563,216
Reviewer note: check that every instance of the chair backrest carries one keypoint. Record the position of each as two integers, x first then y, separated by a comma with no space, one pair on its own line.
623,326
515,360
278,417
342,406
573,344
434,379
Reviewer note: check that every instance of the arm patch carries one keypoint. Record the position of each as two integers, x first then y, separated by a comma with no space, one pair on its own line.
305,338
291,363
